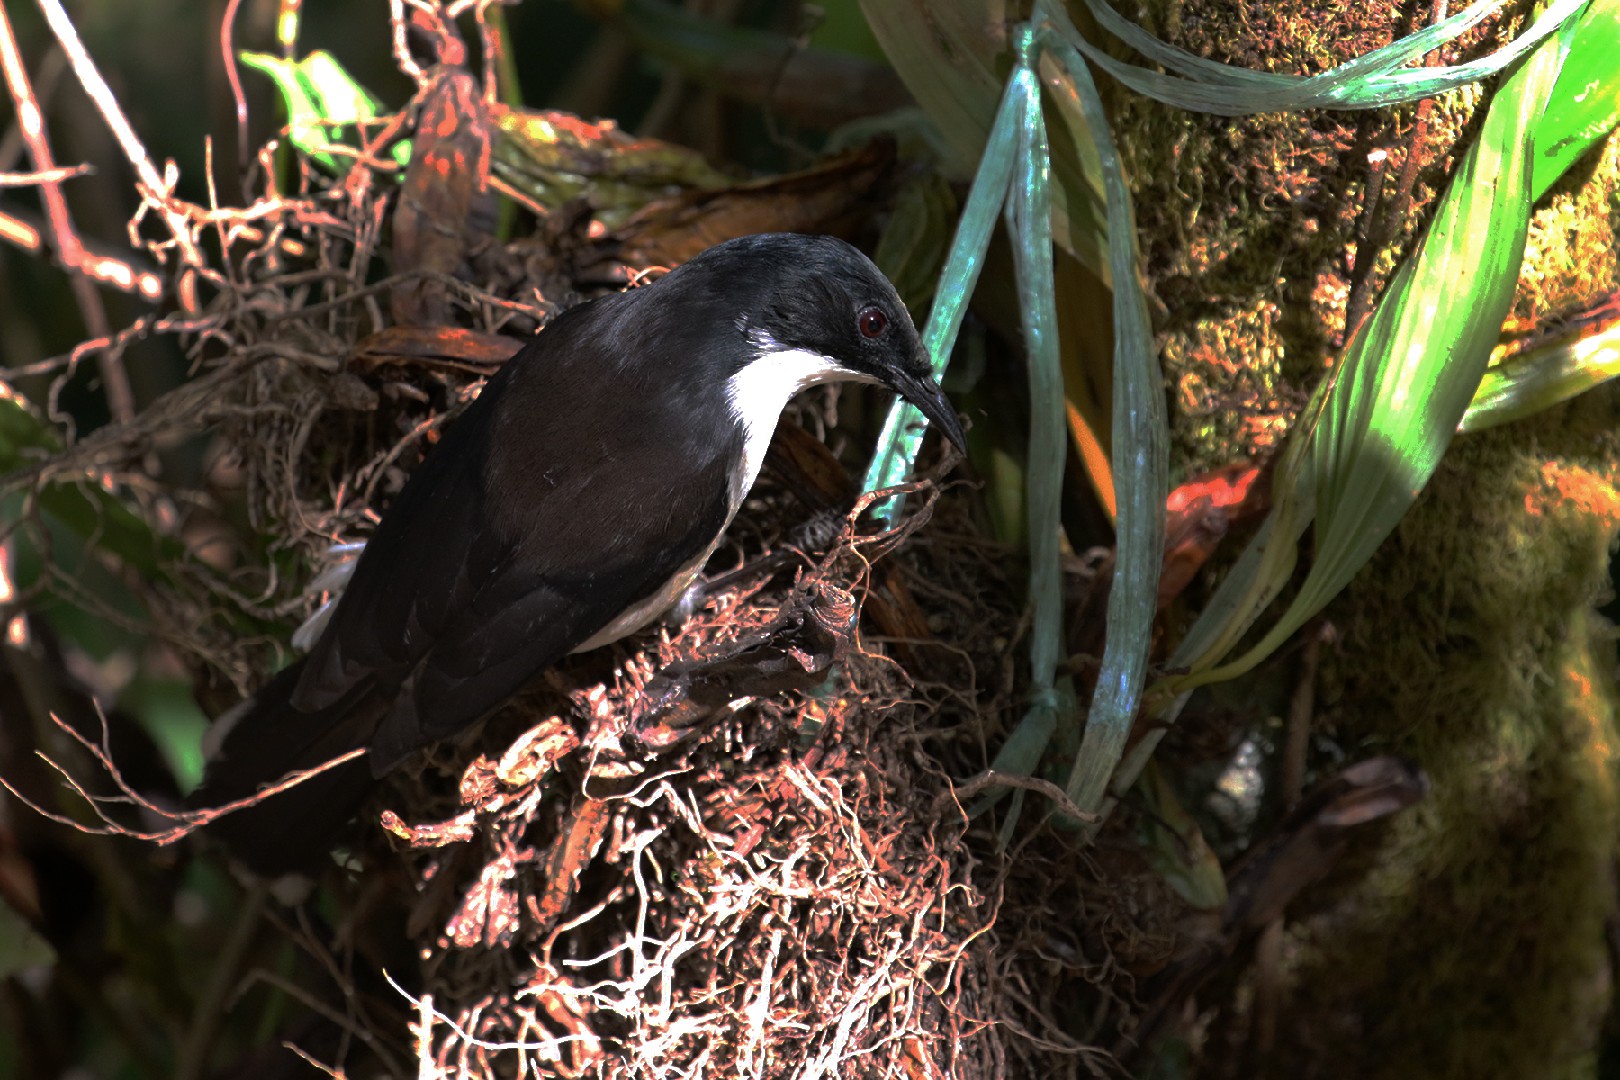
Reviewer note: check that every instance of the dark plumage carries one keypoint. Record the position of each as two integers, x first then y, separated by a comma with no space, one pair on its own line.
570,504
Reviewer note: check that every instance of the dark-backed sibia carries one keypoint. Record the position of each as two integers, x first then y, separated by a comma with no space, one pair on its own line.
572,503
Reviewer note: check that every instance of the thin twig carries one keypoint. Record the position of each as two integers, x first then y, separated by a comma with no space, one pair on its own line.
46,79
101,94
187,821
44,176
335,1073
120,399
20,233
402,49
1384,221
990,778
233,75
124,274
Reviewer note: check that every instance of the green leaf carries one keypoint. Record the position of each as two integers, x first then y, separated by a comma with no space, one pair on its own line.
953,56
1018,149
1543,377
1585,101
1379,79
1441,359
1402,387
21,947
322,102
1029,224
1140,455
1376,432
903,431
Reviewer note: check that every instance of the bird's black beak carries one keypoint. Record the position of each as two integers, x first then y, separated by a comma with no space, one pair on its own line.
925,393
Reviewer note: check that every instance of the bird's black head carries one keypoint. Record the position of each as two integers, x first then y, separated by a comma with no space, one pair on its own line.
817,310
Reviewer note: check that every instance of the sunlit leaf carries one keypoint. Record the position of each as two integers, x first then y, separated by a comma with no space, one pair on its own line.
1585,101
1403,385
1373,437
1543,377
323,103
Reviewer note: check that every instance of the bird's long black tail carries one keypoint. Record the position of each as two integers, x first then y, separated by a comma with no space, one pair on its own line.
267,740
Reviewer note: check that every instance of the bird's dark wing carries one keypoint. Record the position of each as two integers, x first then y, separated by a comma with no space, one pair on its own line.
423,558
534,523
522,621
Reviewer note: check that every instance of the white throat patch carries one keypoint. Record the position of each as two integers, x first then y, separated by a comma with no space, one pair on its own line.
758,393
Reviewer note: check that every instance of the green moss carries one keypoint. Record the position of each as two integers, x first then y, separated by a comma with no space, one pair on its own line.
1466,938
1471,940
1252,228
1246,222
1569,256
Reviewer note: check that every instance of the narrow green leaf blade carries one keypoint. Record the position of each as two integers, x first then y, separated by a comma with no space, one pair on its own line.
1029,223
1140,459
1409,375
1585,102
1379,79
903,430
1541,378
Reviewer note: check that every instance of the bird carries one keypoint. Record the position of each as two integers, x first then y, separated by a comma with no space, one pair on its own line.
572,503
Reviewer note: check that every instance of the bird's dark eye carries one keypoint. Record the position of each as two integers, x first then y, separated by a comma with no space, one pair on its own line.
872,322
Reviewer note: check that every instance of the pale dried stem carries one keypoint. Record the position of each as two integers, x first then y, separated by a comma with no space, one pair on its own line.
157,188
186,821
31,121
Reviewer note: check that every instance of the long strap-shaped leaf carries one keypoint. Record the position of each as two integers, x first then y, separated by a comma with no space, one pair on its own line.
1379,79
1409,375
1140,441
1140,453
905,426
1403,385
1544,376
1029,223
1394,463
